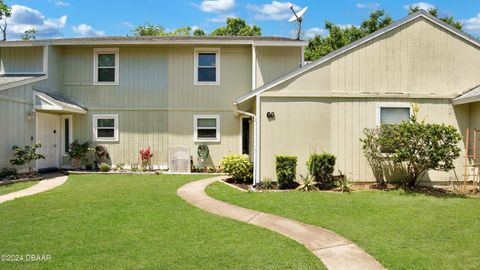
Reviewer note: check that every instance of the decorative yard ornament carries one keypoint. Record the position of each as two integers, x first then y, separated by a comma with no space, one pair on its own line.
101,154
203,154
298,17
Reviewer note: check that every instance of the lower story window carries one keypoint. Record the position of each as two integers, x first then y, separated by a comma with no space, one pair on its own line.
206,128
105,127
393,114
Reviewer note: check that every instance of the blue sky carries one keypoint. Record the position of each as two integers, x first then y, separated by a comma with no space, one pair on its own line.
75,18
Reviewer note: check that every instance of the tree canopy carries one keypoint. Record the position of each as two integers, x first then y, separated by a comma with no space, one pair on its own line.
5,13
434,11
237,27
29,34
232,27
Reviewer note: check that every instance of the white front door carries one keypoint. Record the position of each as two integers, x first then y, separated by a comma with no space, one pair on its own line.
48,134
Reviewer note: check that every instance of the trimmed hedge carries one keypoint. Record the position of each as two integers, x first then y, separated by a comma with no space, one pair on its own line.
239,167
286,169
321,167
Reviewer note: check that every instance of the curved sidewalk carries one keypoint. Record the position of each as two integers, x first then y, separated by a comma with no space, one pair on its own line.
335,251
51,182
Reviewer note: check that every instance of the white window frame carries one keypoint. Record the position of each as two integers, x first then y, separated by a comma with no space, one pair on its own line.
390,105
96,117
197,51
70,131
98,51
195,127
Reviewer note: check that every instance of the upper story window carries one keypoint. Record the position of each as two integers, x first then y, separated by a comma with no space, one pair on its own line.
393,113
106,64
105,127
207,66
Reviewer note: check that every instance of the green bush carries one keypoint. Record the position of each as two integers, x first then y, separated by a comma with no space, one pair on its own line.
239,167
414,145
78,150
25,155
104,167
321,167
286,169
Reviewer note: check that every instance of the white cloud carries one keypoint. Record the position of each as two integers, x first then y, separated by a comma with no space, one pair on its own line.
314,31
216,6
222,17
59,3
422,5
24,18
85,30
368,5
472,25
128,25
275,11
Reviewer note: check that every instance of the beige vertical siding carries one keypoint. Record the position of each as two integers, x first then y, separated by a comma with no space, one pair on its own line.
21,59
143,79
273,62
301,127
418,57
235,79
15,128
180,127
336,125
137,129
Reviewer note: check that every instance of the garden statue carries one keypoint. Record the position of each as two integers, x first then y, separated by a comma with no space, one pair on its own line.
101,154
203,153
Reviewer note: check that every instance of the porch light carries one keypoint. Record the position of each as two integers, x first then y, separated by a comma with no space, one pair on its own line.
31,115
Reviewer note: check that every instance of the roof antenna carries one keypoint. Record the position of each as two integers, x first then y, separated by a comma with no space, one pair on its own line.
298,18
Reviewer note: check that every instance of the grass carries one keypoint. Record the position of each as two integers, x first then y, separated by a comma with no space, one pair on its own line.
401,230
136,222
5,189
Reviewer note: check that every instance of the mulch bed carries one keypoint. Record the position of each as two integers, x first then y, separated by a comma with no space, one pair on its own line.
21,178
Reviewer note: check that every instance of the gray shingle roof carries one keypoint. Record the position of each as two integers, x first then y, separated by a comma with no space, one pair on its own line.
470,96
62,99
7,79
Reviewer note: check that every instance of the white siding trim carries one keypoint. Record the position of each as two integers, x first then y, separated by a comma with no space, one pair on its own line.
195,127
98,51
105,116
195,64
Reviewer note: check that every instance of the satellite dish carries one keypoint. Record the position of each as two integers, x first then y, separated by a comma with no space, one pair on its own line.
298,17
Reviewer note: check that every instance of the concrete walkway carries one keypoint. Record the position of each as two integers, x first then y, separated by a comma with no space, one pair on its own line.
335,251
51,181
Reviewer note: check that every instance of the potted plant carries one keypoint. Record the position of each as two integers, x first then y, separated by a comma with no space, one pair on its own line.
77,152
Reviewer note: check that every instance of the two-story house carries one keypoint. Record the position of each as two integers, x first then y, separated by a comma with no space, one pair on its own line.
127,93
249,95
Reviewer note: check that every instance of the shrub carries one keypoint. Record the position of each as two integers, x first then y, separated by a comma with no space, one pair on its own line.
286,169
104,167
239,167
267,184
344,184
416,146
25,155
307,183
78,150
321,167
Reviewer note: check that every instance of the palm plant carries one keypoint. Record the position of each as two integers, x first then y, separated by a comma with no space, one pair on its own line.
307,183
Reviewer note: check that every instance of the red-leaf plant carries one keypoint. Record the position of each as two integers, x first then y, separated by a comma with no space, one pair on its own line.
146,157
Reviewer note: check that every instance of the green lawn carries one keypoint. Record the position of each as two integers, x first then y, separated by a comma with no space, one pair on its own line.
15,187
401,230
136,222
